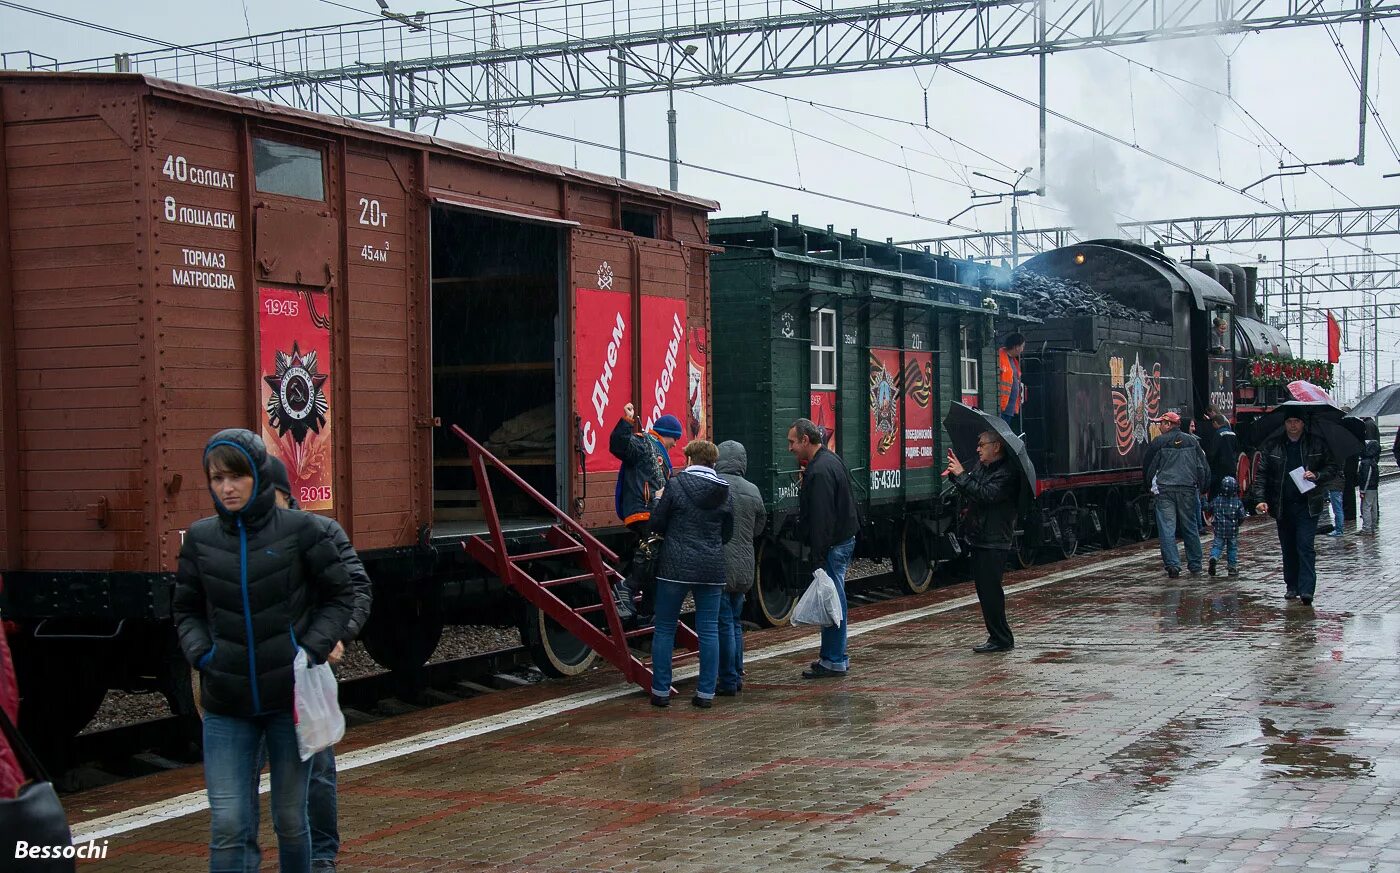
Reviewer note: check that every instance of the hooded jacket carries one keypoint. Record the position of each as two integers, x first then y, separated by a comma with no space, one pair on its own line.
646,466
993,491
750,516
1269,485
1368,472
696,516
359,579
1175,460
251,588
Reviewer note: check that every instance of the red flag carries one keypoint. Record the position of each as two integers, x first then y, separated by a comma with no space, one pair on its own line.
1334,339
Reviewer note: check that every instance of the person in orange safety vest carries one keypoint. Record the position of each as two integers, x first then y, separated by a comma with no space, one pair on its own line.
1011,392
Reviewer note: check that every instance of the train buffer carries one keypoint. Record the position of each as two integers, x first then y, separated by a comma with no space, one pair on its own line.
592,616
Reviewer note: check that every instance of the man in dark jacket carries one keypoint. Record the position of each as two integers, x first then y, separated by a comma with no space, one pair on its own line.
254,585
749,518
1296,512
321,805
646,468
1175,468
992,487
1224,453
827,513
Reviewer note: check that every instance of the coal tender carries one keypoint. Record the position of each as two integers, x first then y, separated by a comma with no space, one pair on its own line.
1127,334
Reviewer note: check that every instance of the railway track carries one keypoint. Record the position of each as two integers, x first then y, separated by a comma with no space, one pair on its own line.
149,746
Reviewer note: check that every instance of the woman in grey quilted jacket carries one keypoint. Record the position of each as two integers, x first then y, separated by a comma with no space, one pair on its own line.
696,517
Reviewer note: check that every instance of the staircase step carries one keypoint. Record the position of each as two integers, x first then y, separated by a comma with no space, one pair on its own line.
547,553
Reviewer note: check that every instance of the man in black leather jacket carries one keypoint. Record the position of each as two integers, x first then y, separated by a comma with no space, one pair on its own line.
1274,492
991,487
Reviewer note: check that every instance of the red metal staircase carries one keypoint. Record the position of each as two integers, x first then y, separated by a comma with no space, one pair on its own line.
564,539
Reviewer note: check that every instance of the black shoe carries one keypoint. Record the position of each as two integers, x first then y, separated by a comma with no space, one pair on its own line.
817,671
1196,573
1173,572
701,702
1212,566
1290,595
726,692
1234,571
988,647
658,700
1307,601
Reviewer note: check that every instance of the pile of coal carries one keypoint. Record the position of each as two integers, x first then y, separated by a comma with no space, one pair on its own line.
1046,297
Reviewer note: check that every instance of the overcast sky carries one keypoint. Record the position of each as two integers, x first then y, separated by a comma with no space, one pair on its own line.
1290,83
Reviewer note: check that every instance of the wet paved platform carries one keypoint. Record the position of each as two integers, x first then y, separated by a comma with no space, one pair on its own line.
1142,723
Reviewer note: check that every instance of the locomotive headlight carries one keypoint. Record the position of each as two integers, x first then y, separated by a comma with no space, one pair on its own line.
1079,258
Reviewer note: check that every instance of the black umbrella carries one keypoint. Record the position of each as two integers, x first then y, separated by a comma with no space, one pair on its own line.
1322,418
965,424
1384,401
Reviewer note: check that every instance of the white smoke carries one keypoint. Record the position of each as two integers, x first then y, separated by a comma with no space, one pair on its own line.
1088,178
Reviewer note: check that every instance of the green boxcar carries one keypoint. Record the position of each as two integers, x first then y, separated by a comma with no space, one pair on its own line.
872,342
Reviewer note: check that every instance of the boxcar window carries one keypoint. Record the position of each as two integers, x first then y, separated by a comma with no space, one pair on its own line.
823,348
282,168
640,223
969,362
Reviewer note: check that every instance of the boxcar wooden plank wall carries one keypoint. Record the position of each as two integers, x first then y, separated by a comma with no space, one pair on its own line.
201,279
598,261
380,247
78,331
9,419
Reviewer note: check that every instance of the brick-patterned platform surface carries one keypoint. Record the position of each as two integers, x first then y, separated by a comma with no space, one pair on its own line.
1142,723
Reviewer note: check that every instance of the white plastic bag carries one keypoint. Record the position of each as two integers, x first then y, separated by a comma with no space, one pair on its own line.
820,605
316,709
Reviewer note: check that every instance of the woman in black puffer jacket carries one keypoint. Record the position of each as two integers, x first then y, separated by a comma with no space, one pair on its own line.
255,583
696,516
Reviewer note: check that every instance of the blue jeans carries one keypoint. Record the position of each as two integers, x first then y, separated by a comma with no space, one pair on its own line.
669,597
1179,509
321,811
232,753
833,650
1339,518
1230,546
731,640
1296,529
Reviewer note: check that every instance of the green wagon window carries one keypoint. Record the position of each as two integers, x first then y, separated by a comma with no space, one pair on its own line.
823,348
283,168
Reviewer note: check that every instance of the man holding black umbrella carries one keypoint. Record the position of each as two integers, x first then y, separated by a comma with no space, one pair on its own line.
1296,463
992,487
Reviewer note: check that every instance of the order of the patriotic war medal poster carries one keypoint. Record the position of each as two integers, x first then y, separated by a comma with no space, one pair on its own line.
298,403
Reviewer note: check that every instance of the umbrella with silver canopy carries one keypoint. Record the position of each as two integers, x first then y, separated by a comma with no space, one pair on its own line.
965,424
1384,401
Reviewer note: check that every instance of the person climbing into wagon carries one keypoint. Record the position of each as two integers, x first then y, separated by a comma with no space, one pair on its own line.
646,468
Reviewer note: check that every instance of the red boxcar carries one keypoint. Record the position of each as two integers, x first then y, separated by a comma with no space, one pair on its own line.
178,261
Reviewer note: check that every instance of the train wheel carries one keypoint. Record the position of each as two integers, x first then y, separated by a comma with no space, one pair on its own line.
1067,524
1244,473
1027,540
913,560
1140,518
773,599
402,633
555,651
1115,517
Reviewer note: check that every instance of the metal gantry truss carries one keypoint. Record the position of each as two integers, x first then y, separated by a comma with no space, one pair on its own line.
1199,233
385,70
